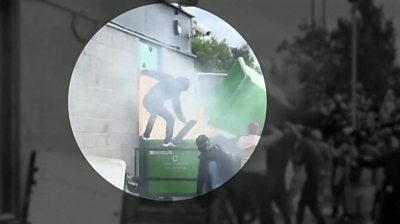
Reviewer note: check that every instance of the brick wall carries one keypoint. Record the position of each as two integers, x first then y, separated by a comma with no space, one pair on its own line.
103,98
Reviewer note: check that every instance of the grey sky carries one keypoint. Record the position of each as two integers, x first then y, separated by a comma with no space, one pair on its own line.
220,29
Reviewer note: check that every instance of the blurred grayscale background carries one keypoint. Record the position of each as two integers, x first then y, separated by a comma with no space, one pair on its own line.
333,68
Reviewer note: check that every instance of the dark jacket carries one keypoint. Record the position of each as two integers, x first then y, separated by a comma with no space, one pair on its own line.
224,167
167,88
391,166
311,159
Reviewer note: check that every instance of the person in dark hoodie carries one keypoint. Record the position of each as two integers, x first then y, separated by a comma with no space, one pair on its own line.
203,175
168,88
215,165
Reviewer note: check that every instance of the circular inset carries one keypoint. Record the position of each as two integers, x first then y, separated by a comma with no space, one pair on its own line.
167,103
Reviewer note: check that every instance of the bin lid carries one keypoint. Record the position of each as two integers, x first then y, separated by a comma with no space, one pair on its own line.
239,100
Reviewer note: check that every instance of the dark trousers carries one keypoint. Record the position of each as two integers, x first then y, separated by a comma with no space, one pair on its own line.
338,197
390,211
166,115
246,192
279,196
203,184
309,198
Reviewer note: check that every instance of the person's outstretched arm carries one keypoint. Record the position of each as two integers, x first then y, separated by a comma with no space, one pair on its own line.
176,104
293,130
271,138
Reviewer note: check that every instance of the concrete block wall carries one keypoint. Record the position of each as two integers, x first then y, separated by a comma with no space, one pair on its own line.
47,53
103,101
156,21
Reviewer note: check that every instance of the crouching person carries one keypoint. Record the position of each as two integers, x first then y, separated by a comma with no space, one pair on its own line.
215,166
203,175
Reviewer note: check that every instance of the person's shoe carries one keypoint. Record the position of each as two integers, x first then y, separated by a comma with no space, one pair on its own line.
144,138
169,144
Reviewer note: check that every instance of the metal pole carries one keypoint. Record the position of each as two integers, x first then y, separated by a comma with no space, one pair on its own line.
354,65
312,13
324,14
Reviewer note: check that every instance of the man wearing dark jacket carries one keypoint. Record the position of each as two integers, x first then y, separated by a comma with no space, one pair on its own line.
203,175
309,156
278,157
167,88
215,166
390,162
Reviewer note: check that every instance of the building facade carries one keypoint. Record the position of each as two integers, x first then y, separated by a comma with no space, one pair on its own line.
106,89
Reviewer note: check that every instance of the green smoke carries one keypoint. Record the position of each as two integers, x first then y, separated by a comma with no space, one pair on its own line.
239,100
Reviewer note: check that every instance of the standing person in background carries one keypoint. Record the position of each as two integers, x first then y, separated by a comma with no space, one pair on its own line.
309,157
359,182
388,107
390,161
337,178
248,143
252,176
372,116
278,157
203,175
215,165
325,161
